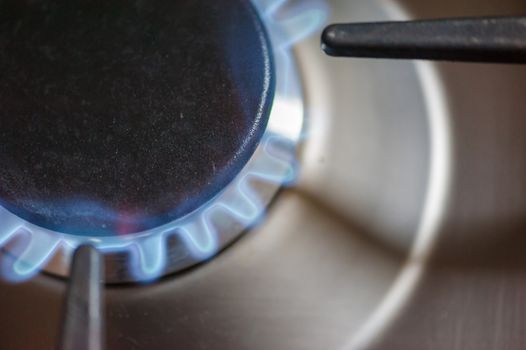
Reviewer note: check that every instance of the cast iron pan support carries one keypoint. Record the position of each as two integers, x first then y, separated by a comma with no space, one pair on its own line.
481,39
83,317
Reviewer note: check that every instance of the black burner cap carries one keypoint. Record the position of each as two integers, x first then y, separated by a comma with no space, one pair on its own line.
117,116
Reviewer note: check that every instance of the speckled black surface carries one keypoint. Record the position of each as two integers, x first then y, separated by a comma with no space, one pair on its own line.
117,116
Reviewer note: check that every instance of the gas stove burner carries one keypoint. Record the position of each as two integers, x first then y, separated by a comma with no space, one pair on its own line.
156,132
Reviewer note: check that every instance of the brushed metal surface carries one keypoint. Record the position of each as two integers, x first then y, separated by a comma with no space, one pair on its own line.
471,295
323,268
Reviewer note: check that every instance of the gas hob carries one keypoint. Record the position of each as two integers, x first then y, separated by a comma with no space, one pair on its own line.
348,204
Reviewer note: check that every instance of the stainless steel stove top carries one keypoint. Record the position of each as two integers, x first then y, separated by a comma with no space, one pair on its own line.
404,230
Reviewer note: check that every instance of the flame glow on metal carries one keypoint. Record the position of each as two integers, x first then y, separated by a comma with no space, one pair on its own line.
30,248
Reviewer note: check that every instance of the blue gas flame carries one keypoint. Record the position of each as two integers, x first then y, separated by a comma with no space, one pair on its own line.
28,248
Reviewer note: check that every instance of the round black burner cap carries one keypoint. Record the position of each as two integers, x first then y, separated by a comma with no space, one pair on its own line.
118,116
